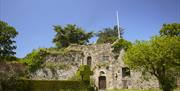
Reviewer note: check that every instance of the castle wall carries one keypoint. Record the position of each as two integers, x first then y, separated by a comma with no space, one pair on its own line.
108,68
105,64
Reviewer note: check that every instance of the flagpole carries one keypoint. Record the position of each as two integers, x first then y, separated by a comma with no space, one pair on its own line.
118,24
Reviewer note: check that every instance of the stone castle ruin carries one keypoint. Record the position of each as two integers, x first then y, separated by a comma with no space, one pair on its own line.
109,70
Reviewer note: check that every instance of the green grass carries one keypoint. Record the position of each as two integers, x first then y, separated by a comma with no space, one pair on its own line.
135,90
139,90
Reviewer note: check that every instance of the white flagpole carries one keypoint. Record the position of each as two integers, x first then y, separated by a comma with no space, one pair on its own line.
118,25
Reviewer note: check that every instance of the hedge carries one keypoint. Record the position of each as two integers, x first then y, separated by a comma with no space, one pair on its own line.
49,85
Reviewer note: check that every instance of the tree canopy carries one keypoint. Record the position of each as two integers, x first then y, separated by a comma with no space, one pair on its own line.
7,42
121,43
170,29
159,56
108,35
70,34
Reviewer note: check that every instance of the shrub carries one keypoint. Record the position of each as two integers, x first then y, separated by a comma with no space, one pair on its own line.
35,59
121,43
10,73
53,85
83,73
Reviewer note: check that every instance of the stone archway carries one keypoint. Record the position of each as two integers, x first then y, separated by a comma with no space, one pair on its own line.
102,82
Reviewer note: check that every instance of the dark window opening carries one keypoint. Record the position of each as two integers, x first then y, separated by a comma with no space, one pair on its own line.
107,67
125,72
105,58
89,59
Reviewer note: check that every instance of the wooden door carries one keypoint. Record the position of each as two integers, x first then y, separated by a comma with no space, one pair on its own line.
102,82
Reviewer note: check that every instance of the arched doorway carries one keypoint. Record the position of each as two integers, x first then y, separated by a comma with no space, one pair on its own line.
89,59
102,82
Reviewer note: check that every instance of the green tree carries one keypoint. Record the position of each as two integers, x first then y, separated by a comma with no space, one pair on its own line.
159,56
108,35
70,34
121,43
7,42
170,29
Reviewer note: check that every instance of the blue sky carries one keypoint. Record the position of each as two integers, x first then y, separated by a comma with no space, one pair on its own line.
34,19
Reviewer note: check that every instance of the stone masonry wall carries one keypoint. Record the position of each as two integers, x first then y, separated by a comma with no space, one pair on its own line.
59,67
103,63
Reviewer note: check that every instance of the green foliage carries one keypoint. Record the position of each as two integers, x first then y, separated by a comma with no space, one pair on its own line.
83,73
7,44
108,35
46,85
70,34
76,76
170,29
10,73
159,56
14,84
35,59
57,51
56,85
121,43
135,90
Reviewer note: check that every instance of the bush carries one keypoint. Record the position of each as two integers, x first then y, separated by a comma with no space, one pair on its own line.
54,85
10,73
15,84
83,73
121,43
35,59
